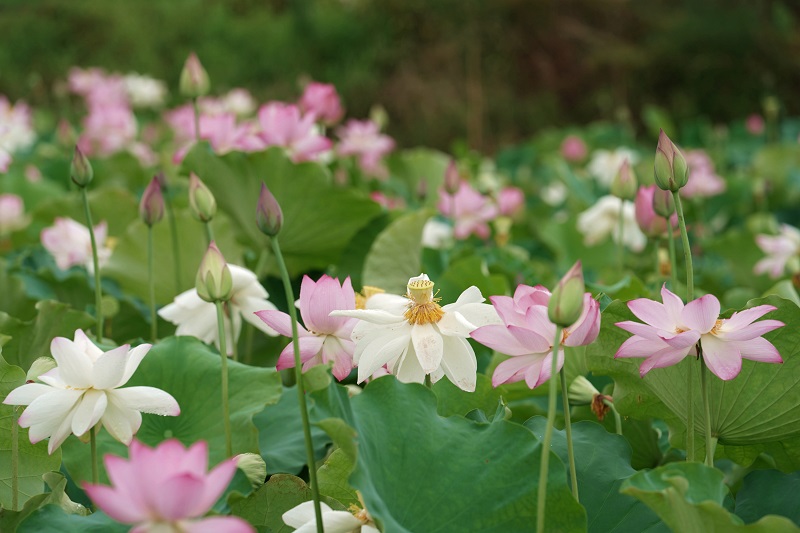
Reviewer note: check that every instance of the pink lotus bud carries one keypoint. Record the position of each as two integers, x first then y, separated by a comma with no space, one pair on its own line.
624,184
201,199
755,124
151,207
269,216
573,148
663,203
322,100
194,78
671,170
566,303
80,170
452,180
651,223
214,282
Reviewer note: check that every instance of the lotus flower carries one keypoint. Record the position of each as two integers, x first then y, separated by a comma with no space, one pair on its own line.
418,337
282,125
83,390
303,519
322,101
166,489
573,148
70,244
327,338
781,250
470,210
651,223
196,317
605,164
363,139
671,331
527,335
602,220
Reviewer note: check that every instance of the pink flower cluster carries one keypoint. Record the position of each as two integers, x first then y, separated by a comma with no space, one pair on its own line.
671,330
472,211
527,335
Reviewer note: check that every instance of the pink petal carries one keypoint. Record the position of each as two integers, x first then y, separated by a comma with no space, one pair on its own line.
531,340
640,347
722,358
759,350
326,297
682,340
641,330
651,312
514,369
662,359
280,322
672,304
215,483
115,504
746,317
507,310
195,459
217,524
309,347
746,333
587,328
176,497
498,338
544,373
701,314
341,353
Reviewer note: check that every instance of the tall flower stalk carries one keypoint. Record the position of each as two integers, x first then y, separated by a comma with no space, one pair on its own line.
624,187
82,174
548,436
173,230
194,83
269,218
151,209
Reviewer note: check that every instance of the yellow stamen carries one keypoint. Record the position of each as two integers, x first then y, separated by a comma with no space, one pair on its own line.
423,308
366,293
717,325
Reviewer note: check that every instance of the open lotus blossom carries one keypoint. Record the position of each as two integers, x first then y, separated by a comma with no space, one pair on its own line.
322,100
605,164
83,390
303,519
470,210
282,125
327,338
703,180
671,331
16,130
166,489
782,250
363,139
194,316
527,335
416,336
70,244
602,220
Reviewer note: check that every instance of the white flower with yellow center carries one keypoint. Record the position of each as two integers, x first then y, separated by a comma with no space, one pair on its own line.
416,336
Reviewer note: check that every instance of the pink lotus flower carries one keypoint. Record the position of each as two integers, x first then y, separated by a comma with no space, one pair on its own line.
322,101
12,213
167,488
651,223
527,335
573,148
780,249
754,124
70,244
671,331
510,200
703,180
363,139
327,338
282,125
470,210
387,202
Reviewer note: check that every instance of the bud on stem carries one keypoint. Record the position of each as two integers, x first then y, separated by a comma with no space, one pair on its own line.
671,170
625,184
452,180
566,302
214,282
194,78
151,207
80,170
269,216
201,200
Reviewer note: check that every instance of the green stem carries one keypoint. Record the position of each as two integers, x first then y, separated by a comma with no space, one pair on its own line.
93,446
658,258
298,373
704,391
223,352
548,435
617,418
687,255
568,426
234,343
152,276
98,290
196,108
209,232
250,330
176,252
14,460
673,261
428,381
620,244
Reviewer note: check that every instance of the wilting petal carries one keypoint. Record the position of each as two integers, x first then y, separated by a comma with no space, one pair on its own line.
701,314
722,358
407,369
380,351
429,346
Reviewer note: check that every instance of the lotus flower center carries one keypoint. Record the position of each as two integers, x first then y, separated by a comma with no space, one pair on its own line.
717,325
423,308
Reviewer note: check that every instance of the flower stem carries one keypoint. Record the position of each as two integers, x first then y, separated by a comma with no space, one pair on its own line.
152,276
196,108
98,291
620,230
298,373
568,427
548,435
14,460
209,232
176,252
687,255
673,262
223,352
617,418
93,446
704,391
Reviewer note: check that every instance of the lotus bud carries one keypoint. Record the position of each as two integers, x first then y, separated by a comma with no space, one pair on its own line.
80,169
214,282
39,367
151,207
194,78
671,170
269,216
452,181
201,200
663,203
566,302
624,185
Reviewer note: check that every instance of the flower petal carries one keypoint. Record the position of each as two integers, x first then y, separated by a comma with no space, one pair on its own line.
176,496
459,363
375,316
479,314
121,421
147,400
651,312
498,338
743,318
515,368
25,394
701,314
303,513
544,373
74,365
278,321
407,368
663,358
135,357
759,349
114,504
745,333
722,358
586,329
380,350
247,308
453,323
110,367
214,484
89,410
216,524
45,414
429,346
531,340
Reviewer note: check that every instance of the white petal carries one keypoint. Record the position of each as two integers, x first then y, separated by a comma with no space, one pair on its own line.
379,352
88,412
248,308
470,296
391,303
109,368
86,345
50,409
300,515
480,314
454,323
459,363
375,316
120,421
62,432
135,357
74,365
407,368
25,394
428,345
245,283
146,400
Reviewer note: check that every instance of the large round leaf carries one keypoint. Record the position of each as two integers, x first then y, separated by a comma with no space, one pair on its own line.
766,492
396,254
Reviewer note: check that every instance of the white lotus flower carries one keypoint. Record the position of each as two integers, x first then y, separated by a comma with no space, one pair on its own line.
602,220
84,390
194,316
605,163
416,336
302,518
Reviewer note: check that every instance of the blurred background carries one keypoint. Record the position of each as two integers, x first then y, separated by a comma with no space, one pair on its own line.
481,74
